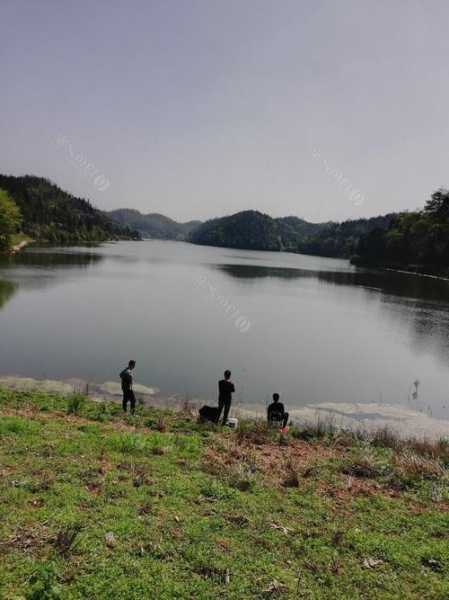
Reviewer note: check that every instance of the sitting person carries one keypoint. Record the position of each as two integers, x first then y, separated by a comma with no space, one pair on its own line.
276,412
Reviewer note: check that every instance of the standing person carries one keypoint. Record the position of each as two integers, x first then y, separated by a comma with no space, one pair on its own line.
127,387
225,390
276,412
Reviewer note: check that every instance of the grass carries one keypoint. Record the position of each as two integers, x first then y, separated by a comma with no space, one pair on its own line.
97,505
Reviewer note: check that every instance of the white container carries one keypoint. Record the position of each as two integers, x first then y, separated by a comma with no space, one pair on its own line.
233,423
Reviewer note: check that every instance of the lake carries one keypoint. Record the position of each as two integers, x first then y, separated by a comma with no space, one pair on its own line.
315,329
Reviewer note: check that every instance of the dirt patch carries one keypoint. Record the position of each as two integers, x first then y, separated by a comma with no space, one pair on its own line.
27,540
275,462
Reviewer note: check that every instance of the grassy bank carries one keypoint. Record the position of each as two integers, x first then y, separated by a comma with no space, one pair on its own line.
95,505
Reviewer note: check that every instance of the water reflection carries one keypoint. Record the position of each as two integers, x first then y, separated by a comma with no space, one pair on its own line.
323,331
387,282
51,260
422,303
7,290
38,268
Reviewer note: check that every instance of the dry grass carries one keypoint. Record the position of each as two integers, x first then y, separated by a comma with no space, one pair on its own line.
410,466
433,449
253,454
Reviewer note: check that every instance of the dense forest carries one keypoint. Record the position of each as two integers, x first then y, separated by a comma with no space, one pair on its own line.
51,215
253,230
248,230
154,225
417,241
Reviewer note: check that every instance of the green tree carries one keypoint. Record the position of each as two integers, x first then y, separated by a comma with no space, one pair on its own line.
438,205
10,218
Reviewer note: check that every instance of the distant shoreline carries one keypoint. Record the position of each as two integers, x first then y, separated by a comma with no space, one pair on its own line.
416,273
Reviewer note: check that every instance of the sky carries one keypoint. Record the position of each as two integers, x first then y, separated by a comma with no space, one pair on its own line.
327,110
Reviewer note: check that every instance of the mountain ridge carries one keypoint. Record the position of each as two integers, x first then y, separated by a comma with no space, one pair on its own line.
254,230
50,214
154,225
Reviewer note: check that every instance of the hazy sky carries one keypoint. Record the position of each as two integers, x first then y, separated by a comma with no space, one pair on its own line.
198,108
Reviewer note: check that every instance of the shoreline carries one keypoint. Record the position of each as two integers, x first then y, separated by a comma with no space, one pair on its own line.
18,247
401,420
404,271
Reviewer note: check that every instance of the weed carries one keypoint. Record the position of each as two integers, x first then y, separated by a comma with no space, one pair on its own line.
66,538
215,490
291,475
127,443
75,404
102,412
161,425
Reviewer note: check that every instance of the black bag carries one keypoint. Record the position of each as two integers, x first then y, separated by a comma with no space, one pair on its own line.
208,413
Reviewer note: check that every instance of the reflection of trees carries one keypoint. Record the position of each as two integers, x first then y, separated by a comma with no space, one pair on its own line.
39,268
385,282
52,260
421,302
7,289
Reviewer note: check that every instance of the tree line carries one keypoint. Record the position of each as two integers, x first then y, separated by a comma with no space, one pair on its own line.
417,241
49,214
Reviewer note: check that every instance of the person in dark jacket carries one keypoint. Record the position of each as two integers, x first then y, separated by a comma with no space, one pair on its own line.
127,387
276,412
225,390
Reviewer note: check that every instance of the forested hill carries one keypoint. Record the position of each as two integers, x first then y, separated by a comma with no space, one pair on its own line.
248,230
415,241
51,215
154,225
253,230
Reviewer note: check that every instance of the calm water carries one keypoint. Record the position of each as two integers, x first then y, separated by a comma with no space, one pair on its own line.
315,329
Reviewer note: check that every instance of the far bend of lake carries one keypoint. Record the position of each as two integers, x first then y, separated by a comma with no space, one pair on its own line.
314,329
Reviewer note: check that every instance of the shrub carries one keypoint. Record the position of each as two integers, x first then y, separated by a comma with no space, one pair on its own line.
217,491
